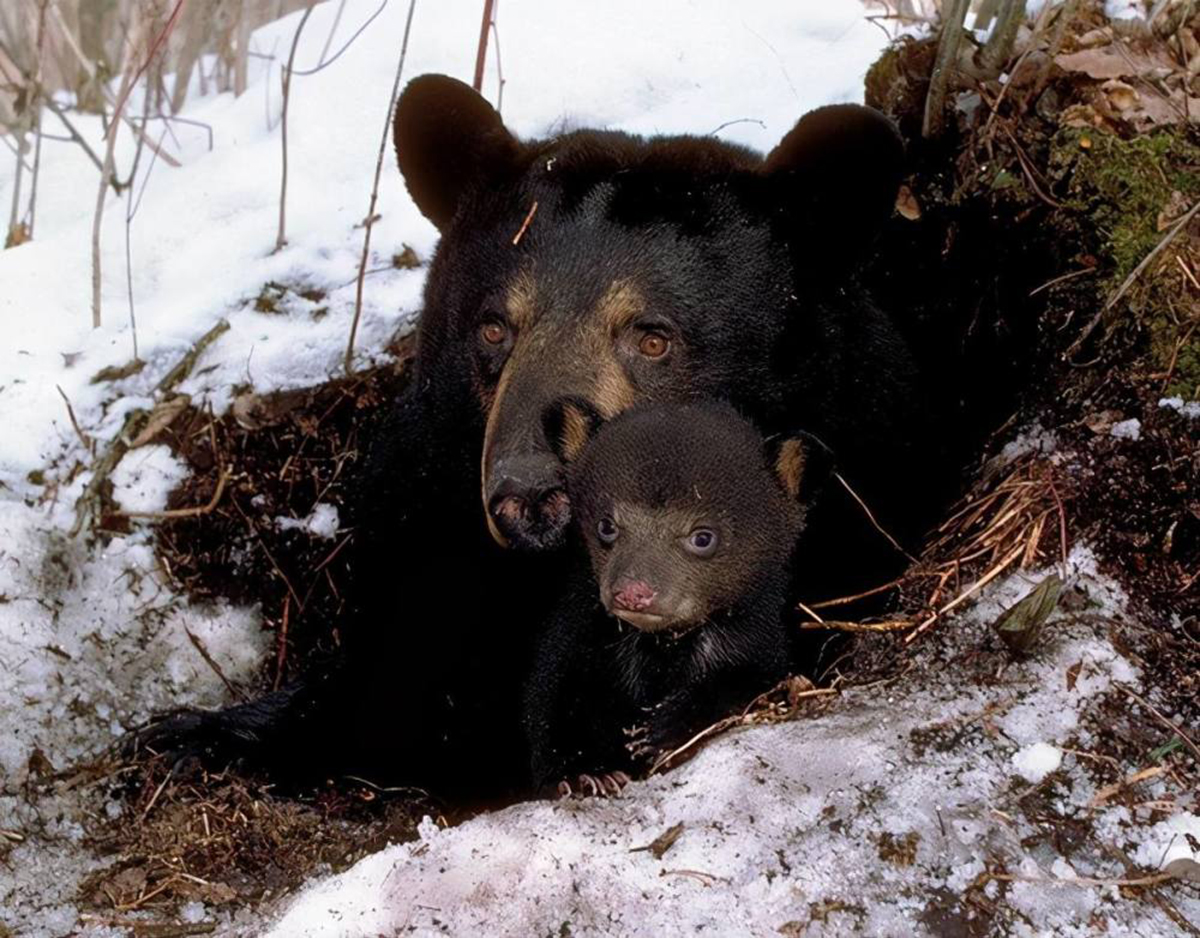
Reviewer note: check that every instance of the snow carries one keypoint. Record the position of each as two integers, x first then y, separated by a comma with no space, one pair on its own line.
321,522
1130,429
1037,760
780,822
1190,409
144,478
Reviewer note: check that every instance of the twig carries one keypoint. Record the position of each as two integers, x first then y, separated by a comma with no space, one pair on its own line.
88,444
75,134
154,47
208,659
128,80
499,68
953,15
86,507
1152,880
481,52
1178,731
366,252
706,879
281,644
804,608
323,63
887,625
1134,274
1060,279
525,224
965,594
870,517
35,103
845,600
280,238
337,21
186,512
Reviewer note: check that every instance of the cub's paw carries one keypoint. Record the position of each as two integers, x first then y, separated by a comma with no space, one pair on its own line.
608,784
644,743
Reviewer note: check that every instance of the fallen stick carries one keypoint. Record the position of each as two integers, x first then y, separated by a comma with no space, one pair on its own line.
87,508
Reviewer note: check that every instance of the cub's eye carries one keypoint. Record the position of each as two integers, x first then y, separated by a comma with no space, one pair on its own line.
654,345
494,332
607,530
702,542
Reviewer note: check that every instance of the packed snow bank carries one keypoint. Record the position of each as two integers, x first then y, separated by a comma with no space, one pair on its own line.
874,817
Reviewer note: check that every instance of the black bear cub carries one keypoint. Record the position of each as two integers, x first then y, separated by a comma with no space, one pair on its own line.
677,613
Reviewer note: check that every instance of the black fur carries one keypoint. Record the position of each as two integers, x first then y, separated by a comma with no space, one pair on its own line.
726,251
605,696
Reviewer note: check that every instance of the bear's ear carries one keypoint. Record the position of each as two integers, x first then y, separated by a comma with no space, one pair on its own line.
569,424
448,139
802,463
837,173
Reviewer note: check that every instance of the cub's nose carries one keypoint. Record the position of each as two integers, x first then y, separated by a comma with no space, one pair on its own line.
528,505
633,595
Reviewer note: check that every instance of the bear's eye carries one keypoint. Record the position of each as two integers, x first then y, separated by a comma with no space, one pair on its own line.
494,332
702,542
607,530
654,345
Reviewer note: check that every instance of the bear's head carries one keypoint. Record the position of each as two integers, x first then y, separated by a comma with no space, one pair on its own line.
607,270
687,512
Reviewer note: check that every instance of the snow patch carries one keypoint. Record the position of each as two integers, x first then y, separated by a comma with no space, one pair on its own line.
321,522
1190,409
1130,429
1034,762
145,477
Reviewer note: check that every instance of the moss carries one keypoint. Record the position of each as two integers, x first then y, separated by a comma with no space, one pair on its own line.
1121,188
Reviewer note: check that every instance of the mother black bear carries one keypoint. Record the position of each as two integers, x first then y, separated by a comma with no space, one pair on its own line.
602,270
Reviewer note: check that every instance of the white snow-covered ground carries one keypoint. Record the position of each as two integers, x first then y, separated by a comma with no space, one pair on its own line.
782,824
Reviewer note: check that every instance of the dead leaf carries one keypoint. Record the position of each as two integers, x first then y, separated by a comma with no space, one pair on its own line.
1094,37
1020,626
907,204
1101,63
1115,61
1121,95
161,417
1073,674
1101,423
18,234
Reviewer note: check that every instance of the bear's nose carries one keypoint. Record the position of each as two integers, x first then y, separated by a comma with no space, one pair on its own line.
633,595
528,504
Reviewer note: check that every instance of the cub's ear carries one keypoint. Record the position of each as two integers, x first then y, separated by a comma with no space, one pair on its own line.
802,463
837,173
569,424
448,139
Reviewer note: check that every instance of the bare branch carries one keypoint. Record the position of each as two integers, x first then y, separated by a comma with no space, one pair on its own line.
370,220
280,238
954,13
481,52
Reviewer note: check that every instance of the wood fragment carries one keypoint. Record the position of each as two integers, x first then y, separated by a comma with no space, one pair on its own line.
89,506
